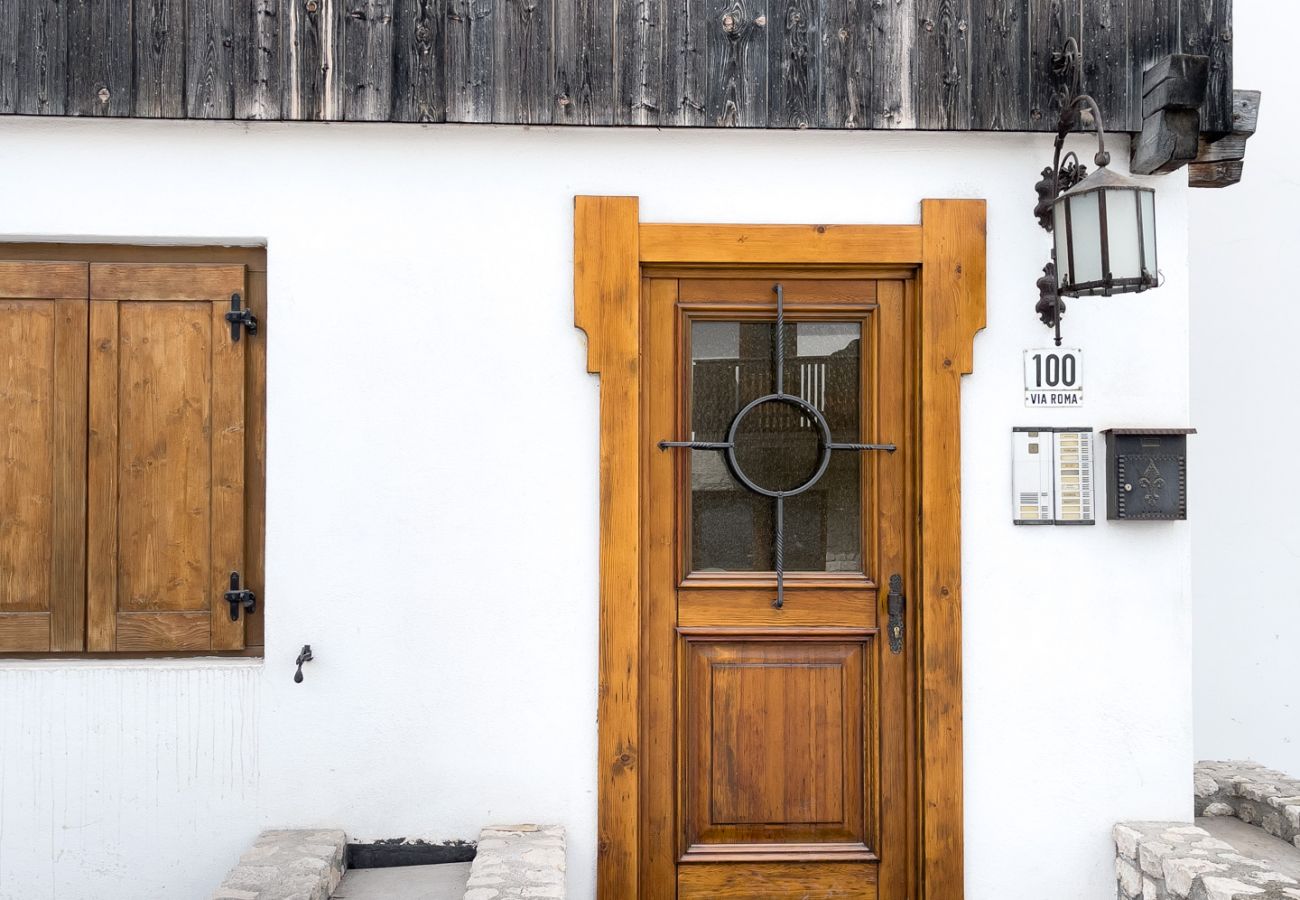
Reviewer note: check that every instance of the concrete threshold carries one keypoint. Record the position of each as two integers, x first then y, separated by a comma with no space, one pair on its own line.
441,882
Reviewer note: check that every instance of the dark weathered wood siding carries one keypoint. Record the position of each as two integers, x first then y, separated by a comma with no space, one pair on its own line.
928,64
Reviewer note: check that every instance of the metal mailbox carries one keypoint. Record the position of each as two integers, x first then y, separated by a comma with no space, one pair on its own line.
1147,473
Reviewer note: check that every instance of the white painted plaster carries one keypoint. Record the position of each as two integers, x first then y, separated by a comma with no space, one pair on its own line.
432,524
1245,499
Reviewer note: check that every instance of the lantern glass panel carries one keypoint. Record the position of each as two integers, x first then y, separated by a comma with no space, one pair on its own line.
1060,235
1085,237
1147,199
1122,233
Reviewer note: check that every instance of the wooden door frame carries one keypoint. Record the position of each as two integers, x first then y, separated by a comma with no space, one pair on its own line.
947,253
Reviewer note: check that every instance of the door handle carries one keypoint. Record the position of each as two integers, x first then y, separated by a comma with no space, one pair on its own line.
896,605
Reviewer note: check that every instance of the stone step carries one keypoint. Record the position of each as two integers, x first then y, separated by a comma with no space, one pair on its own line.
1255,843
445,881
515,861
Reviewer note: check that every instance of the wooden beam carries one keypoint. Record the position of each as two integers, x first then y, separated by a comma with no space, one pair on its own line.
1167,143
1176,82
1245,111
1173,91
1220,158
1214,174
775,245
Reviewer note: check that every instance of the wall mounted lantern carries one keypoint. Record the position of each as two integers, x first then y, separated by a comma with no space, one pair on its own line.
1104,224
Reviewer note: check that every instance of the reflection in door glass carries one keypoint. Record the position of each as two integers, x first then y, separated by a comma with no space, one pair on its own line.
732,528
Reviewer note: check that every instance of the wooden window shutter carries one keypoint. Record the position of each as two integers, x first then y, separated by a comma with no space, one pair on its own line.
42,456
165,514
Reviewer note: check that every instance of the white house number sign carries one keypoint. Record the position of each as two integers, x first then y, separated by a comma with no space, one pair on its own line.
1054,377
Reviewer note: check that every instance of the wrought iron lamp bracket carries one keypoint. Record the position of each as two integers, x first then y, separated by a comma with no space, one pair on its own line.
1078,111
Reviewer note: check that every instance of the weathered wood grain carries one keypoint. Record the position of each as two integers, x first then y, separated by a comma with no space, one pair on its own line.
159,58
209,59
1214,174
305,70
1207,30
1220,158
1229,147
42,58
99,58
1245,111
845,47
1000,62
736,41
1051,23
1168,141
521,76
260,46
469,60
369,41
642,29
1177,81
943,97
419,88
1153,35
9,83
685,64
934,64
893,63
1107,72
795,64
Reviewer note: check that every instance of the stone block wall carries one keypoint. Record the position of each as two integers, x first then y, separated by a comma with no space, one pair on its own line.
1255,794
1177,861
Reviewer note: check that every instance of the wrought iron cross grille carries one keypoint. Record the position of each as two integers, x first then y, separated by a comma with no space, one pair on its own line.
826,446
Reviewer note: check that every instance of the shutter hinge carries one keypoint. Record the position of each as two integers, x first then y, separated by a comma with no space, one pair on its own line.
896,604
237,598
238,318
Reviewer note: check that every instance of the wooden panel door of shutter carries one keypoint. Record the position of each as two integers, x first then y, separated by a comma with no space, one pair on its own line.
42,456
166,458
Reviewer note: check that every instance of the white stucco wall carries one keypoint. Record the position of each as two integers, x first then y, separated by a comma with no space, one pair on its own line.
1245,319
432,523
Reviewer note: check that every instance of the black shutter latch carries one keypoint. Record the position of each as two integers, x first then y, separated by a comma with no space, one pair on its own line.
238,317
237,598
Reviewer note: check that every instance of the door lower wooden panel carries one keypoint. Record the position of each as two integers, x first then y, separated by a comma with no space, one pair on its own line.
776,755
785,881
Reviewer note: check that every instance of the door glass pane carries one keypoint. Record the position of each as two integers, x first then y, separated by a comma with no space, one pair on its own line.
777,447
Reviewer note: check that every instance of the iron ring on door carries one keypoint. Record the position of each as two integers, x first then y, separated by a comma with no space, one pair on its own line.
804,407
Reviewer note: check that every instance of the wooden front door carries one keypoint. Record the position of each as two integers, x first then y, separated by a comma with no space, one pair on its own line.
775,711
